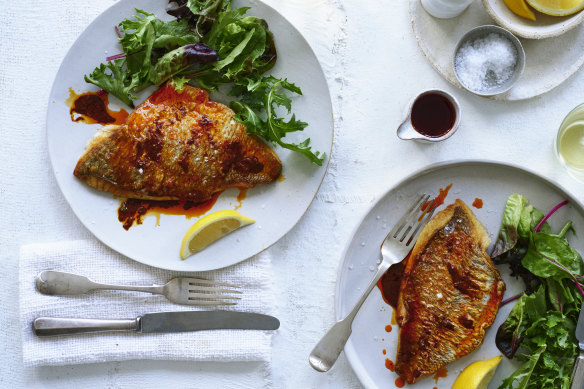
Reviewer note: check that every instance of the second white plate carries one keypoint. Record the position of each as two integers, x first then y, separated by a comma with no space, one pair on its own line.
489,181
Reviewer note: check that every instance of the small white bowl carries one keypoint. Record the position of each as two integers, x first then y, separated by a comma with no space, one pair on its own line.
481,31
545,26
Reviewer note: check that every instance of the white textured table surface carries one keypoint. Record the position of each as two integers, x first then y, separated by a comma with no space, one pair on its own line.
374,68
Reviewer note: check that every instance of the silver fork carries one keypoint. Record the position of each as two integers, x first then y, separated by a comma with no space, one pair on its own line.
396,245
182,290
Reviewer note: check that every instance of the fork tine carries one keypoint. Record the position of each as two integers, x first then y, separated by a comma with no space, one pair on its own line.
422,221
401,222
197,288
201,302
209,292
202,281
412,216
195,296
414,220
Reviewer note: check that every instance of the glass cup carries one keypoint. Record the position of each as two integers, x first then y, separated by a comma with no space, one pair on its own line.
569,143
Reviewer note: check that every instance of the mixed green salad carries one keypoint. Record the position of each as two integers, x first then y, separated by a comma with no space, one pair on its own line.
540,328
208,45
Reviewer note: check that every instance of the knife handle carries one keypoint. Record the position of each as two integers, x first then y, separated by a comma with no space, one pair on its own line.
51,326
578,372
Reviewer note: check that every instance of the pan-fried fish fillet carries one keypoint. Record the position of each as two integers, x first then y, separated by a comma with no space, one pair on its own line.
177,146
449,294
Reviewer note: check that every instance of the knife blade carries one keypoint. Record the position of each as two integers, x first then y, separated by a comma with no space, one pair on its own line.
158,322
578,372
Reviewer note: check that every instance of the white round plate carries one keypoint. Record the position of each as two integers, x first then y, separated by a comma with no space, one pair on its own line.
276,207
548,62
545,26
490,181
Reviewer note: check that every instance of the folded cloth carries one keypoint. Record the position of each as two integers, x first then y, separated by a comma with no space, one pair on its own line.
101,264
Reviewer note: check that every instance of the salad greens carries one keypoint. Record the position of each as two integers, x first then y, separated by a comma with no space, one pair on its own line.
539,331
207,45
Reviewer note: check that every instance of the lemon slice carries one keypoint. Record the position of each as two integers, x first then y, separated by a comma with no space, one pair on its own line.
520,7
477,375
210,228
557,7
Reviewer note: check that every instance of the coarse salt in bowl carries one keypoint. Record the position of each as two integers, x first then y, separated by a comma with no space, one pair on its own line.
488,60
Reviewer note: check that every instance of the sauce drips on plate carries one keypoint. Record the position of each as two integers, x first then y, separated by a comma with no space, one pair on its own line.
132,211
400,382
389,364
477,203
240,197
92,108
441,373
390,282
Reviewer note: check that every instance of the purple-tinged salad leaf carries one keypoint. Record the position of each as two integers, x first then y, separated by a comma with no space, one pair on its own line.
550,213
201,14
180,59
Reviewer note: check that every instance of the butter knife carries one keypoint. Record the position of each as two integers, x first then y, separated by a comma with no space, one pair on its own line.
578,372
158,322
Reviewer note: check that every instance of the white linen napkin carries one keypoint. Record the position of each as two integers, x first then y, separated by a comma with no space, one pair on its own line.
101,264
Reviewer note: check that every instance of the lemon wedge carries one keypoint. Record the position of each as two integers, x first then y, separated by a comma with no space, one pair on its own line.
210,228
520,8
477,375
557,7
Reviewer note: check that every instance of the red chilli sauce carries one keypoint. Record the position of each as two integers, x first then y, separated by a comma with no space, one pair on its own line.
92,108
133,211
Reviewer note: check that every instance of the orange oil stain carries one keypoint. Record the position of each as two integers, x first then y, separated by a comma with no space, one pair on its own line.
441,373
384,351
477,203
389,364
281,178
388,328
132,211
438,200
400,382
240,197
93,107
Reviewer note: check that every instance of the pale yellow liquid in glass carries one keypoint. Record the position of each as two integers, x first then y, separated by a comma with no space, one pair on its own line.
570,142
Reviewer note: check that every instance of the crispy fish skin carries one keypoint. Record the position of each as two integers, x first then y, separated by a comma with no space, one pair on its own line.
177,146
449,295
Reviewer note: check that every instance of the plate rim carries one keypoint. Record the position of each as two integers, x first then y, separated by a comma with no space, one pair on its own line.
209,268
571,22
429,168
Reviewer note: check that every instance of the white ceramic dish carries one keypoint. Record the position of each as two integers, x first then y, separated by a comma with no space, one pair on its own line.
276,207
548,62
545,26
490,181
481,32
